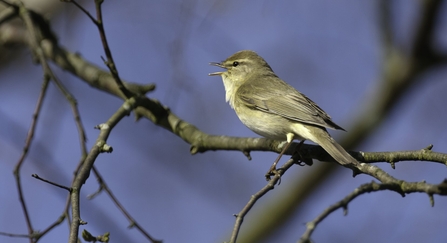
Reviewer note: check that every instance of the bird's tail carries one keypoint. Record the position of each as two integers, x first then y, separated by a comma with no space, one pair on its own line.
322,138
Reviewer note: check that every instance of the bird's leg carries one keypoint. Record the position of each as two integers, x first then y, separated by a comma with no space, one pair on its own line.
272,170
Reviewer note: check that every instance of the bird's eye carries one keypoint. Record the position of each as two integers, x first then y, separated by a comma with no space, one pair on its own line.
235,64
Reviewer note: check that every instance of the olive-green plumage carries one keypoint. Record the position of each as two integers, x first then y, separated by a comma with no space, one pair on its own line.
272,108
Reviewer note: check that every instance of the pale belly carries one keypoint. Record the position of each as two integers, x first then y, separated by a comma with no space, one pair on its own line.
270,125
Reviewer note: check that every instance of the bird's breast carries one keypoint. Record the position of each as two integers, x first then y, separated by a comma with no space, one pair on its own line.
265,124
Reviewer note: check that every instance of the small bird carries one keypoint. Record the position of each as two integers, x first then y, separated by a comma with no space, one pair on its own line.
273,109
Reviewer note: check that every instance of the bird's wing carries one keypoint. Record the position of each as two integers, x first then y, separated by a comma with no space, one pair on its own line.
282,99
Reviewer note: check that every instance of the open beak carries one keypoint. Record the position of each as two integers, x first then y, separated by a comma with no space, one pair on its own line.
217,64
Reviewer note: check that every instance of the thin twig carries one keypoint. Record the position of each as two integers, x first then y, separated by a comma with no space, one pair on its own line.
110,63
31,236
132,221
365,188
82,9
27,19
51,183
179,127
65,214
254,198
26,148
84,171
26,16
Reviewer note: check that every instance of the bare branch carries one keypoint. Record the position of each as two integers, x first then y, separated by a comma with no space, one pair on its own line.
132,221
51,183
87,164
254,198
400,72
388,183
367,188
110,63
28,141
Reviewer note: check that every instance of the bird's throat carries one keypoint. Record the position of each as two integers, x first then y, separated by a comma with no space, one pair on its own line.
229,90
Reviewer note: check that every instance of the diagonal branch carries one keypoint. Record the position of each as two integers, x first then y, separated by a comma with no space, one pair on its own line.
387,183
100,146
28,141
110,63
399,74
133,222
367,188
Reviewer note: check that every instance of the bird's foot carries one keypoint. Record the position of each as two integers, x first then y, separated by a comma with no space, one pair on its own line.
273,172
296,156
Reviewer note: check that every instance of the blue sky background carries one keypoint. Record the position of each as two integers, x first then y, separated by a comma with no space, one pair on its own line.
331,51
